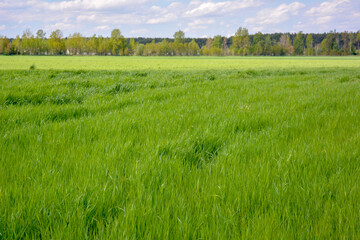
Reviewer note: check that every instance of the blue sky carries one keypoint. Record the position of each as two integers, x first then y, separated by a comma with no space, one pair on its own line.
161,18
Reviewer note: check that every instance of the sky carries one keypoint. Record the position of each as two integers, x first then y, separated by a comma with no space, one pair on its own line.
161,18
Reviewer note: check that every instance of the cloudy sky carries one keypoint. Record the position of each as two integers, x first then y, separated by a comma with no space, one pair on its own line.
161,18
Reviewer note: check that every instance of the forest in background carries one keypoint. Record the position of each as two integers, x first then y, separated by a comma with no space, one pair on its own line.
241,44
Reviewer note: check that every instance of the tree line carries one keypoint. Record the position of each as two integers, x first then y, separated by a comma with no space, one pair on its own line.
241,44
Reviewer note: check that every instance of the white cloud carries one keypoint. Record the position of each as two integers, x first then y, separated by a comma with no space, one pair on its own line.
336,14
90,4
62,26
139,31
327,11
163,17
71,5
170,17
15,4
356,15
324,19
217,8
275,15
299,26
199,24
105,19
174,5
328,8
258,29
104,27
158,14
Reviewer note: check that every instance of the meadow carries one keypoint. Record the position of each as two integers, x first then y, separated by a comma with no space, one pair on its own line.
179,147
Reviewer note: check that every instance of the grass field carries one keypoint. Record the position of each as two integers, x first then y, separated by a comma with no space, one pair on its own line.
179,148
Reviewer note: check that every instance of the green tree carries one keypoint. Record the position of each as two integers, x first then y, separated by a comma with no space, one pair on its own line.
241,42
150,49
91,46
132,46
299,44
163,48
193,48
179,37
217,42
140,50
216,46
40,34
258,37
324,47
76,44
257,47
309,45
225,47
4,46
28,43
329,45
346,41
179,40
317,49
16,45
267,45
56,43
101,48
41,46
351,42
284,45
117,42
277,50
358,39
205,50
104,46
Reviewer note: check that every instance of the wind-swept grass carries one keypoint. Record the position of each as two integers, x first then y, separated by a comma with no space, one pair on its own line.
149,152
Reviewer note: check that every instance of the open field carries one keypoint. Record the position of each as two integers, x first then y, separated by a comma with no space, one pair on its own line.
184,148
174,63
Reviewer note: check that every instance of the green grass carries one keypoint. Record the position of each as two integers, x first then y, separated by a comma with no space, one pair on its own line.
173,63
184,148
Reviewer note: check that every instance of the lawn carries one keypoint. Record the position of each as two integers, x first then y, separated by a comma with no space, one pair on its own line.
179,148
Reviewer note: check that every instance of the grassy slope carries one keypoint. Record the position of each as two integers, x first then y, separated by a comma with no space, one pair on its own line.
179,147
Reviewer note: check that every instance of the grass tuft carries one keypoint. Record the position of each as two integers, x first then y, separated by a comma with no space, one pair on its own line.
201,151
122,88
32,67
